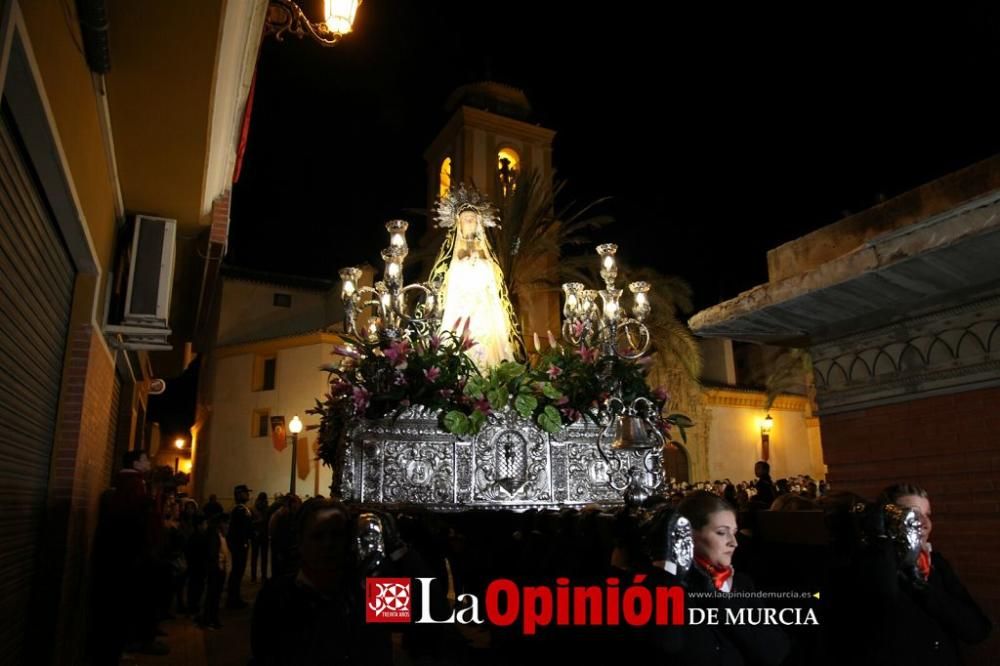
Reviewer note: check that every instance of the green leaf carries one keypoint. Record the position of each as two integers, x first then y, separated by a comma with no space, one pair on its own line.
497,398
509,370
680,420
476,421
457,423
550,391
525,404
475,387
549,420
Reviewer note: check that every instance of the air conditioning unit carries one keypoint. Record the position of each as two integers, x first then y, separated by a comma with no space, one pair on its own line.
141,312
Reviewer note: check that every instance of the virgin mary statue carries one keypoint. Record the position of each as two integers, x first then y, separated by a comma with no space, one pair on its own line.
473,287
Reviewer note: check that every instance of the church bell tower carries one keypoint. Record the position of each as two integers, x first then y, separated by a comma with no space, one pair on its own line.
487,142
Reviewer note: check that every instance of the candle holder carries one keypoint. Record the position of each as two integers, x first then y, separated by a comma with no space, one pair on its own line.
396,308
606,325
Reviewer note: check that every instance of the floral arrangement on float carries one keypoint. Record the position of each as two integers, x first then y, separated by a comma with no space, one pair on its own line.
553,389
451,345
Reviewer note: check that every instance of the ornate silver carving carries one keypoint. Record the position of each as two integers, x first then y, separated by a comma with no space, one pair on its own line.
511,463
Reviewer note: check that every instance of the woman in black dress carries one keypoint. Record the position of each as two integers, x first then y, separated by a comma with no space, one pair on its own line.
713,530
919,610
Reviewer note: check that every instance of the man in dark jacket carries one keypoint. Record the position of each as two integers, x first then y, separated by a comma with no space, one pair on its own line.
238,540
764,485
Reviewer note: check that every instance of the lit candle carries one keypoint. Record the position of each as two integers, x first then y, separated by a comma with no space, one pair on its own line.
610,298
397,233
349,276
640,299
608,269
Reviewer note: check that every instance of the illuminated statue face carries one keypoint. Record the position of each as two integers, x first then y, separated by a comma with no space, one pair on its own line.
468,224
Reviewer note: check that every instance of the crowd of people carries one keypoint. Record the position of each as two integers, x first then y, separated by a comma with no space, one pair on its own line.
158,554
881,593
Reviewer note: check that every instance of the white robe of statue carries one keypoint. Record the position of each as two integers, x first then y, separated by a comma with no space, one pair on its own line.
471,291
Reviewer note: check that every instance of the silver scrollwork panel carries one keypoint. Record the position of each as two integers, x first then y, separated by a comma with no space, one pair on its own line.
511,463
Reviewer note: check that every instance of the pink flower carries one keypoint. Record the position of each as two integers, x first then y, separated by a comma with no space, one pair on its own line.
552,341
553,371
432,374
561,401
467,341
577,328
570,414
587,354
397,352
660,394
435,342
482,405
360,399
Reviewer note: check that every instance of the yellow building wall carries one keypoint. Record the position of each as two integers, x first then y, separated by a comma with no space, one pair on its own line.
233,454
160,96
733,441
68,86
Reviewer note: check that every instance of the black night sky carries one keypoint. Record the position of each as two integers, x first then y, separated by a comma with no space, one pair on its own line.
719,131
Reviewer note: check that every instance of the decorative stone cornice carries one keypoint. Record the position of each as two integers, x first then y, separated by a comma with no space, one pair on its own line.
724,397
947,351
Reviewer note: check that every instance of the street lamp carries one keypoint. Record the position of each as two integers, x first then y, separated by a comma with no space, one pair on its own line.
285,16
765,437
294,427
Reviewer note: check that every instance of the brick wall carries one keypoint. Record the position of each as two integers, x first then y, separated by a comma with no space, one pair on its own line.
950,445
79,474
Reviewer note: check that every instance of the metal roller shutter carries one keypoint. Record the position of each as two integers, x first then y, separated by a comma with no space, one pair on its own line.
36,289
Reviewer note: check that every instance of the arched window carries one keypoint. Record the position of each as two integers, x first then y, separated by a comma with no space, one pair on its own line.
444,178
508,166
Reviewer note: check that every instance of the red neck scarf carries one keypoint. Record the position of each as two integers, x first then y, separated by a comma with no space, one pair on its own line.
719,575
924,564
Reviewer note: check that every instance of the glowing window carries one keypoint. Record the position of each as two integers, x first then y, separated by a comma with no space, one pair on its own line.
508,166
445,177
